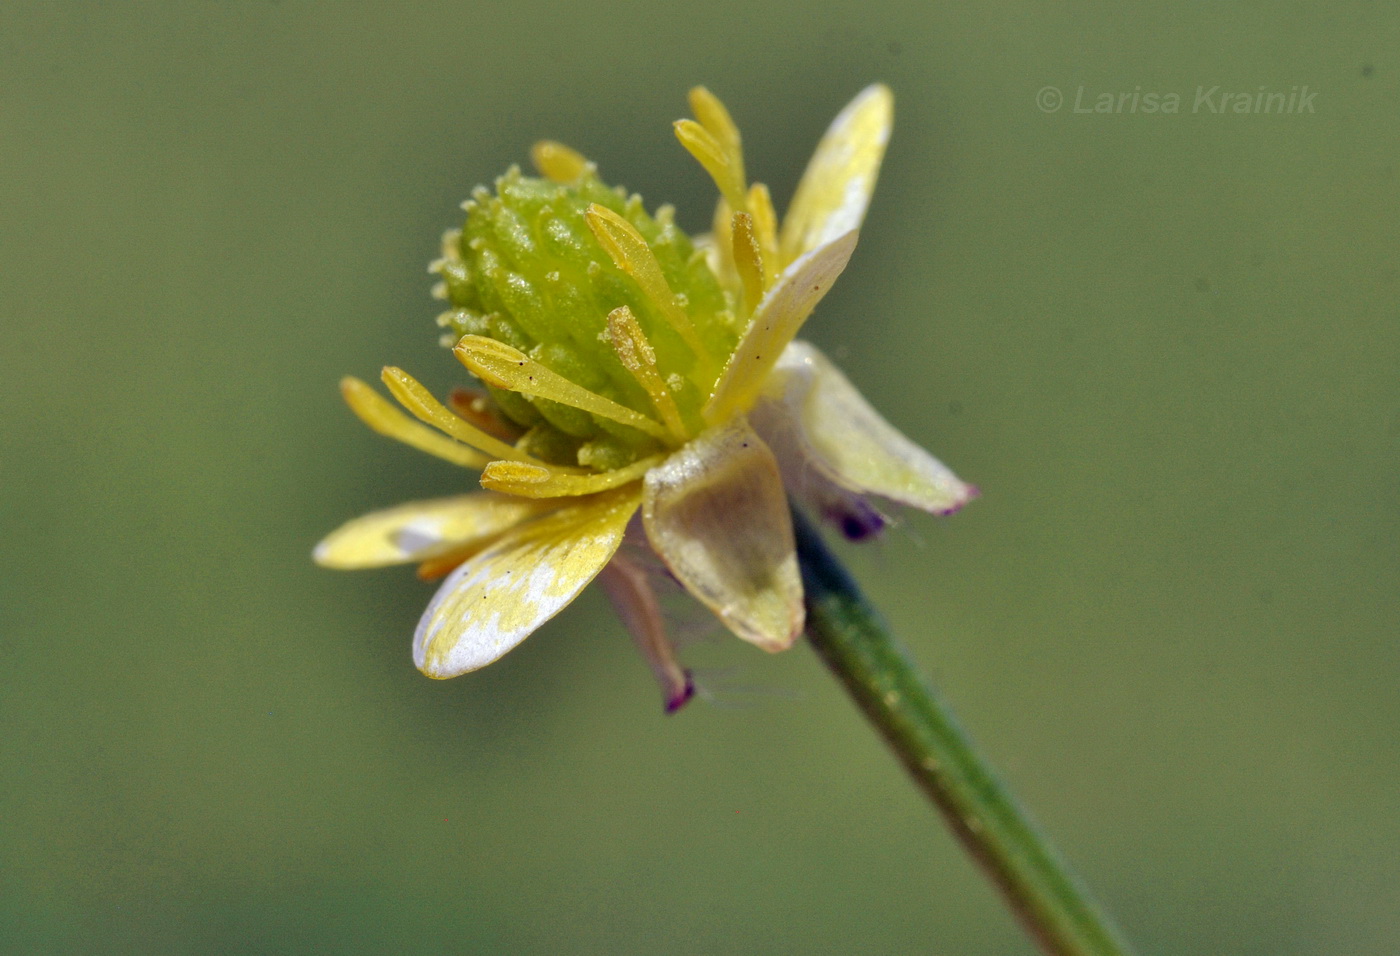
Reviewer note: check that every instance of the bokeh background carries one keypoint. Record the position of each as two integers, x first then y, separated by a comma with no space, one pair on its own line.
1164,345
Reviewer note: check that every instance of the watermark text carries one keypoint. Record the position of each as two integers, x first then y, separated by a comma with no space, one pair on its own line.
1204,99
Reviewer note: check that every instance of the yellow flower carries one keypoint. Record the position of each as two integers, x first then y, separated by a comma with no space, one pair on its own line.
654,376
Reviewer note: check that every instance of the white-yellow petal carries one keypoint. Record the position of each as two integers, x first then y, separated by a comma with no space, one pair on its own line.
496,599
853,513
418,530
834,192
775,323
844,438
716,513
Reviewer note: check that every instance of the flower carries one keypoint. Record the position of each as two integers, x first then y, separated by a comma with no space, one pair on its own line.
627,368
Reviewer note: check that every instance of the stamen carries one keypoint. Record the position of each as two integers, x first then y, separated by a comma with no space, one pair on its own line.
710,154
748,260
637,356
502,366
558,162
713,115
375,411
537,481
631,254
765,228
633,598
418,400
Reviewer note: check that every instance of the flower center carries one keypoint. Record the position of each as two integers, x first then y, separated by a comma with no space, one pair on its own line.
580,283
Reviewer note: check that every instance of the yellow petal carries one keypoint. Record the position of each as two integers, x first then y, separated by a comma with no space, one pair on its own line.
424,529
835,190
496,599
848,441
716,513
774,324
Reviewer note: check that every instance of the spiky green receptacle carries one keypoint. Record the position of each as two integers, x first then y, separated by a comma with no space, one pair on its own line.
526,270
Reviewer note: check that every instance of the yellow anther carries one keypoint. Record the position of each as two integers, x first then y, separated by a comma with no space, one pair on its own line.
713,115
418,400
631,254
558,162
710,154
748,260
375,411
502,366
635,353
537,481
765,230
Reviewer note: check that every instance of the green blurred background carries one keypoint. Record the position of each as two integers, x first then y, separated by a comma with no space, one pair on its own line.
1164,346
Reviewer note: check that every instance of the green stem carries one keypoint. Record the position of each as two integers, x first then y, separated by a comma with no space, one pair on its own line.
856,644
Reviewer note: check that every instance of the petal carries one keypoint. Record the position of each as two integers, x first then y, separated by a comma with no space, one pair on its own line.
497,598
849,511
423,529
835,190
847,441
716,514
775,323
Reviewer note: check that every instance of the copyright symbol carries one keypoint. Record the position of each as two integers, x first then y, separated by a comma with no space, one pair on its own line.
1049,99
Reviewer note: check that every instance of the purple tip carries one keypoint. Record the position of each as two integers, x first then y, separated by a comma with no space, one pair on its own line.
973,493
857,523
678,700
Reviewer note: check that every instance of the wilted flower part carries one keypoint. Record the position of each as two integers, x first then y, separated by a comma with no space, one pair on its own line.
629,588
629,369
